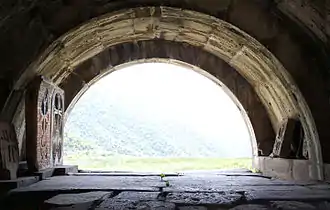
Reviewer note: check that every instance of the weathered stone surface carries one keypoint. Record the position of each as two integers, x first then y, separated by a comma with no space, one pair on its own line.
252,207
292,205
233,173
65,170
23,169
77,201
220,171
105,173
285,139
144,205
205,184
137,200
68,183
57,125
323,186
9,159
325,205
192,208
214,192
245,13
72,87
162,9
27,181
204,198
215,44
17,111
38,124
287,169
218,182
327,172
275,167
29,26
140,196
45,173
306,195
300,170
44,124
306,13
6,185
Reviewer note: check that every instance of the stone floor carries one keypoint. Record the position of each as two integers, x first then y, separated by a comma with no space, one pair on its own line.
212,190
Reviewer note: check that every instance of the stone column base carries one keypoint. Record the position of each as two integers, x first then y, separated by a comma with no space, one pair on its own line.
289,169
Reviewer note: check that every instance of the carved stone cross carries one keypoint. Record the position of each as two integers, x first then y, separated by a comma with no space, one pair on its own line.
44,124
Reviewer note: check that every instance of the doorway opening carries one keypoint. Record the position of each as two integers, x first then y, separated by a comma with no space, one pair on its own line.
158,117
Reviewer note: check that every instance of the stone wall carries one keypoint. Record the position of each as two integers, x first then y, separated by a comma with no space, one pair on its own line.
327,172
288,169
296,32
128,52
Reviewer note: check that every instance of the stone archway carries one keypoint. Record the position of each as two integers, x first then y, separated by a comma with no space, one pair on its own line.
233,80
271,82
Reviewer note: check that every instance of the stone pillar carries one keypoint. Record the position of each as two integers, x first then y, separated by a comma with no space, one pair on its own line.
44,124
9,158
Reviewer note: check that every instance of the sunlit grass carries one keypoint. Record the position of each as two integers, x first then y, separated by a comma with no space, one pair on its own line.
154,164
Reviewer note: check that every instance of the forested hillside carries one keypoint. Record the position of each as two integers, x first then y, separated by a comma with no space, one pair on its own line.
117,131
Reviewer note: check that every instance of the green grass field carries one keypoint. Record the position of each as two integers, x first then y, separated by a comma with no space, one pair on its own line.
152,164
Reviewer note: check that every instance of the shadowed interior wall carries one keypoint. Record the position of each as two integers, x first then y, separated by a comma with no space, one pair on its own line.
296,32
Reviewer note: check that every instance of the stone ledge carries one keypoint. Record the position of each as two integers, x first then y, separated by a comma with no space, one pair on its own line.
6,185
23,169
65,170
76,201
288,169
44,174
56,171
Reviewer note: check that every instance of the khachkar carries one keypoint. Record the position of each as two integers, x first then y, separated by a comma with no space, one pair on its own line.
57,125
44,124
9,156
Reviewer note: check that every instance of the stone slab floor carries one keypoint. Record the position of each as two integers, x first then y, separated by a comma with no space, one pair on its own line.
200,191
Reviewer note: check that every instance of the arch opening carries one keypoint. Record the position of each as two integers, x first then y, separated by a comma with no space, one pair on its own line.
159,116
153,32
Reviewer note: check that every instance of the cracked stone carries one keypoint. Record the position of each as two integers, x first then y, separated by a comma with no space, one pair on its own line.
136,200
292,205
192,208
303,194
79,200
204,198
251,207
140,196
323,205
126,204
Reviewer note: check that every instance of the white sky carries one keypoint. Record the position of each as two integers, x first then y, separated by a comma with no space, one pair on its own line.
168,91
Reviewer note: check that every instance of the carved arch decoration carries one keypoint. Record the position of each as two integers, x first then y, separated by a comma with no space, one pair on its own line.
270,80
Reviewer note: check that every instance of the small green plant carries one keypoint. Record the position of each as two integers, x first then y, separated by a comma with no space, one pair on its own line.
162,176
254,170
167,183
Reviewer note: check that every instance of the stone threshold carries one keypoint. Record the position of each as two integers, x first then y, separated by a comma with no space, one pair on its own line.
100,173
31,178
